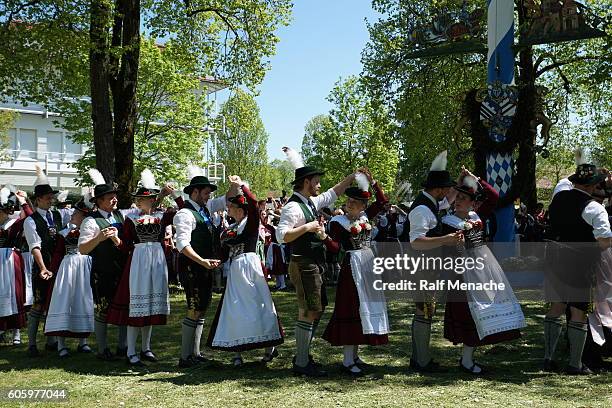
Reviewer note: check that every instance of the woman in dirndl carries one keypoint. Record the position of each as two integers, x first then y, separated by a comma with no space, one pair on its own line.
360,312
477,317
142,298
12,277
246,317
71,310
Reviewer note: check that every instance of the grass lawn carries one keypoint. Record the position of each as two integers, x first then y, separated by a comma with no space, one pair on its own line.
516,380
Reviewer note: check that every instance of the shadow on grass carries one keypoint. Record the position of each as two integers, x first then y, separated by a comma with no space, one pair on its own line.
516,362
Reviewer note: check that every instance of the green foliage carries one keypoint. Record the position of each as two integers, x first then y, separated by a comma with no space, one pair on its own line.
281,175
7,120
355,133
242,148
424,96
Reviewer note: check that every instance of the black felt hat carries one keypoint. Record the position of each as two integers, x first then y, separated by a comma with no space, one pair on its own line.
306,171
102,189
587,174
199,182
358,194
43,189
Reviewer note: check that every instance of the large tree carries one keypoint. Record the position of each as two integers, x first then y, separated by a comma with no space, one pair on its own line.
425,95
243,145
71,48
356,132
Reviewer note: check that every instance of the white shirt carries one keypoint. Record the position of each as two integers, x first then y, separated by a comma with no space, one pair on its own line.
293,217
422,219
89,227
29,229
596,216
185,222
563,184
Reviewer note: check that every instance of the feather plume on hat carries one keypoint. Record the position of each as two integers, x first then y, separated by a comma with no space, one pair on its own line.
11,188
194,171
471,182
41,177
293,158
440,162
62,196
147,179
362,181
4,195
580,156
96,177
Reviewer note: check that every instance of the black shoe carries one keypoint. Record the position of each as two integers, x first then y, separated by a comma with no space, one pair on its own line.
584,370
200,359
148,356
33,351
361,364
136,363
310,361
471,370
105,355
121,351
550,366
269,356
309,371
51,347
431,367
65,355
349,371
237,361
187,363
84,348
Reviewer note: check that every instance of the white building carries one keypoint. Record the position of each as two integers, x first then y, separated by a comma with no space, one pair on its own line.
35,139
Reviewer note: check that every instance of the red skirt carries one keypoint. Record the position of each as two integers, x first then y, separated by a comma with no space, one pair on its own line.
459,326
344,327
119,309
18,320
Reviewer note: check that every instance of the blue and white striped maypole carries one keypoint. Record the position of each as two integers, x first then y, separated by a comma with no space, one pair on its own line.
500,18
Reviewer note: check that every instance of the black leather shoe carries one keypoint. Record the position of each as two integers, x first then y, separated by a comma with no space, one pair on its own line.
64,353
84,348
349,371
584,370
471,370
431,367
269,356
200,359
33,351
550,366
187,363
136,363
309,371
105,355
310,361
148,356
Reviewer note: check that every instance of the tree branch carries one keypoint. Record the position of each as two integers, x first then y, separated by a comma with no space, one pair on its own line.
220,13
557,64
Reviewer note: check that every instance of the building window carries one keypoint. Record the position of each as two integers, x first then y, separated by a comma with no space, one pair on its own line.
73,150
27,143
54,145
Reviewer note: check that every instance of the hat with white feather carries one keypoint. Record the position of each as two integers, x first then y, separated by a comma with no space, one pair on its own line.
101,186
146,186
438,176
301,171
362,192
586,173
198,180
41,184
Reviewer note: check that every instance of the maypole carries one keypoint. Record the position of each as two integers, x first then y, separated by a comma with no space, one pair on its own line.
500,103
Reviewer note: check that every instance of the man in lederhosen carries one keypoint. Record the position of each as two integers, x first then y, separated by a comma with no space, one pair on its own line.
423,229
575,217
197,240
299,228
100,238
40,230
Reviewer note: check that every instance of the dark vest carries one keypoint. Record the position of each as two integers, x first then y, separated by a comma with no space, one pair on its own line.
422,199
566,222
308,245
205,237
48,236
106,257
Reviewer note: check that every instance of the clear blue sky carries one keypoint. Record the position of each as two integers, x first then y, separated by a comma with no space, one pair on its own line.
323,43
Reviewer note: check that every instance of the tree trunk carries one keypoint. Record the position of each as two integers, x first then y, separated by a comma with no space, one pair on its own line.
125,105
526,163
102,119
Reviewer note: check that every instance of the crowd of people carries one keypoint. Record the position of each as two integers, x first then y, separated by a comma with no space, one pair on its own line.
78,268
